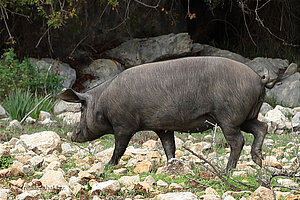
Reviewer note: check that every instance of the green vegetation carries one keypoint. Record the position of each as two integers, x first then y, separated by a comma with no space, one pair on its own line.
20,102
23,75
5,162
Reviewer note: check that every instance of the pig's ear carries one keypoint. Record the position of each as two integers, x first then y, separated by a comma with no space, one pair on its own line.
72,96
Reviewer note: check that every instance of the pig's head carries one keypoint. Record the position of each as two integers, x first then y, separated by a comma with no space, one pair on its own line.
82,133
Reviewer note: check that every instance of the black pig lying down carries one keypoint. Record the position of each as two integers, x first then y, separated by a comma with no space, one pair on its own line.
175,95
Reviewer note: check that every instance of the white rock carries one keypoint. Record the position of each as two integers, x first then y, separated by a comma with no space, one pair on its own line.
107,187
176,196
288,183
129,180
277,117
30,120
44,115
32,194
296,120
285,110
63,106
36,161
149,179
43,142
15,124
161,183
178,142
265,108
28,170
66,148
120,171
4,193
150,144
53,179
70,118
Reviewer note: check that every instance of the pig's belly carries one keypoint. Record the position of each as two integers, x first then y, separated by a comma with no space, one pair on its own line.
199,124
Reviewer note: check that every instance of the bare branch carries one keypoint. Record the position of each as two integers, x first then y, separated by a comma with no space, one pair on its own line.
47,96
149,6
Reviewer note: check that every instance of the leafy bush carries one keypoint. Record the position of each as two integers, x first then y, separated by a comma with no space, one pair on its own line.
15,74
20,102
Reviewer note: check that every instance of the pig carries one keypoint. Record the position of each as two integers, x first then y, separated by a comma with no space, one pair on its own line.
175,95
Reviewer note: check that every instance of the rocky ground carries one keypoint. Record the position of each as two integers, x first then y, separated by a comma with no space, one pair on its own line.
38,162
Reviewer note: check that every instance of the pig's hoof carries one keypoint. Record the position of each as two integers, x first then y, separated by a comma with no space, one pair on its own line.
257,159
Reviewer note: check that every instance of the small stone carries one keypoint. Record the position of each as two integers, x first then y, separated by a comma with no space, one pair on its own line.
53,179
261,193
97,169
161,183
120,171
176,167
36,161
30,120
210,191
271,161
18,183
85,174
4,193
149,179
32,194
15,124
107,187
240,173
66,148
144,186
129,180
178,142
28,170
144,166
288,183
55,165
176,196
175,186
65,192
150,144
44,115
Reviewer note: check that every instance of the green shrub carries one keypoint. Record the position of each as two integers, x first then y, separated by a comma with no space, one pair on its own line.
20,102
15,74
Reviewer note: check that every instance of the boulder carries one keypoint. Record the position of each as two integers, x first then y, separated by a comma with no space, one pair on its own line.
102,70
63,106
207,50
176,196
43,142
271,66
287,92
62,69
70,118
139,51
265,108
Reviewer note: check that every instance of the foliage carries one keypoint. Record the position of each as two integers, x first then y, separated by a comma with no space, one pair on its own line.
5,162
15,74
20,102
55,12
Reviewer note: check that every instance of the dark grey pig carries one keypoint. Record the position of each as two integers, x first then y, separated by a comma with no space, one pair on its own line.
176,95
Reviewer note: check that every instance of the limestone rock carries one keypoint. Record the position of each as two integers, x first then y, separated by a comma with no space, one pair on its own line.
53,179
43,142
144,166
70,117
2,112
129,180
62,69
107,187
102,70
15,124
261,193
150,144
138,51
176,167
176,196
63,106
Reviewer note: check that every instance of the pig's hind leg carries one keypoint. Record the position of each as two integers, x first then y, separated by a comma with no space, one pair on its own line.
236,142
259,130
168,142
